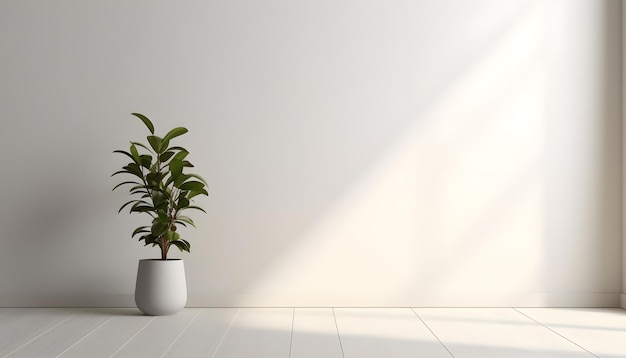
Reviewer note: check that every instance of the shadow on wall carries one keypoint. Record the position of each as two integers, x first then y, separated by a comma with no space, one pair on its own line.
581,226
52,235
59,247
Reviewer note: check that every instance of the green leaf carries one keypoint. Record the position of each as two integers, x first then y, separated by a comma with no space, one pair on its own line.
141,207
142,145
173,236
149,239
164,144
158,229
143,193
154,179
120,172
178,148
128,203
197,192
175,133
123,183
156,143
181,179
183,202
187,164
176,168
134,169
146,121
199,178
193,207
146,161
182,245
192,185
187,220
165,156
139,230
125,153
134,153
158,197
162,218
187,244
182,153
139,189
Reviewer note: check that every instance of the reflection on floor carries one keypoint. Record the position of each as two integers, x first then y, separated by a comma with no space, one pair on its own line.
315,332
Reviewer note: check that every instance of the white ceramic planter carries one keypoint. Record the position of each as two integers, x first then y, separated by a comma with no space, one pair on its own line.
161,287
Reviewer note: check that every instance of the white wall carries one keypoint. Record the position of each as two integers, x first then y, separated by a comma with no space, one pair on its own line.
369,153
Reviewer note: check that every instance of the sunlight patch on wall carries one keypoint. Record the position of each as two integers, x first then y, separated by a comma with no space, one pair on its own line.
455,206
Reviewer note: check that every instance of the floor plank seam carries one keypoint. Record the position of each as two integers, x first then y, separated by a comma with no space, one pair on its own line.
37,336
433,333
338,335
181,333
555,332
131,338
87,335
217,348
293,319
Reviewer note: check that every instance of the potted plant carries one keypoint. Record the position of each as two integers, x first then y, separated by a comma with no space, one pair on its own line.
161,189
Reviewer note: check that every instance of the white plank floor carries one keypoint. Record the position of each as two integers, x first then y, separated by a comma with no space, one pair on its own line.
315,332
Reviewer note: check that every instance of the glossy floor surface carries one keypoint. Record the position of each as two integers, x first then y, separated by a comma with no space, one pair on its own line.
315,332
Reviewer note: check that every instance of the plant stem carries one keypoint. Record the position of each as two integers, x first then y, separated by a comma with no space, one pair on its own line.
164,248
